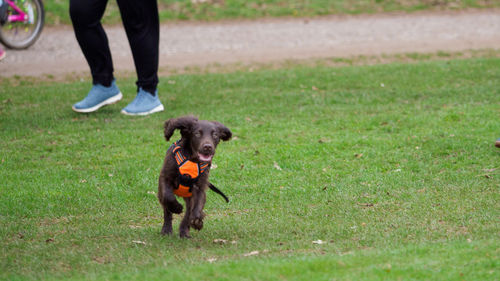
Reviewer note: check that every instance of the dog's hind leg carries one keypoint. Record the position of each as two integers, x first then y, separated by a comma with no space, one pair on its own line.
167,222
184,227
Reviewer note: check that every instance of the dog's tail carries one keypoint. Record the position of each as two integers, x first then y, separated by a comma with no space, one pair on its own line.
216,190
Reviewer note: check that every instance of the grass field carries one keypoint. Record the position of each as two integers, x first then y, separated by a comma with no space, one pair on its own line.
391,166
57,10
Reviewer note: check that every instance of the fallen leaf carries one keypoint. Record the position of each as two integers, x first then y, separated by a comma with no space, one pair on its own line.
358,155
366,204
110,175
318,242
211,260
83,181
277,166
49,240
253,253
213,166
489,170
152,192
220,241
101,260
139,242
388,267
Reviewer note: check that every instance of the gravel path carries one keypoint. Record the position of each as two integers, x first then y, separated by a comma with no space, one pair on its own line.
191,44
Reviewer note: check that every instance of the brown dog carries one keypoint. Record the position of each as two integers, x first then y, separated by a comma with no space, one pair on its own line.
186,169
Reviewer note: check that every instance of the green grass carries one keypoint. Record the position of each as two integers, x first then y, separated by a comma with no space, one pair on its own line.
392,166
57,10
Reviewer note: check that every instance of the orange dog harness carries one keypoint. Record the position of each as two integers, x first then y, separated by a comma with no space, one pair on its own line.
189,171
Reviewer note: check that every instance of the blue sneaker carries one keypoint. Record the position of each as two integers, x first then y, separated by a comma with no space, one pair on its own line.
98,97
143,104
497,143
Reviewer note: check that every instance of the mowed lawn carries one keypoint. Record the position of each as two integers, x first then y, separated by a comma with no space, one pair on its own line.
347,173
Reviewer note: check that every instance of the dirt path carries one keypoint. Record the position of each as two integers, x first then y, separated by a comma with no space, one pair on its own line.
199,44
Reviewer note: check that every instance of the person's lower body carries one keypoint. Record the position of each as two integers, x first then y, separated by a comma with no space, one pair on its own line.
497,143
141,22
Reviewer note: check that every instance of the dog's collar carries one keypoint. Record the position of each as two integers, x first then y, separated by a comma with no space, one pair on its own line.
189,171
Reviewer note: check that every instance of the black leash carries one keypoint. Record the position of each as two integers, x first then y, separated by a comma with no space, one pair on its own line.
216,190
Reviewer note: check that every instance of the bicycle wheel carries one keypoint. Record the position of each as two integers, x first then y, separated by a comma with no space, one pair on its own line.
22,34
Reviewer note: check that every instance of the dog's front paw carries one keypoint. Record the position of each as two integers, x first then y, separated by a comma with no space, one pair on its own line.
184,235
174,207
197,223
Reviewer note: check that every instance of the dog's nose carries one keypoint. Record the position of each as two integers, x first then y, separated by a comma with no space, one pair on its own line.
207,147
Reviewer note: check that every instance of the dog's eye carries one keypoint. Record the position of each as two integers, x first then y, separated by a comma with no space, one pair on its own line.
197,134
215,135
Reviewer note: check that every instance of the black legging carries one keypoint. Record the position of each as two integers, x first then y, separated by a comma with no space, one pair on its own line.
140,19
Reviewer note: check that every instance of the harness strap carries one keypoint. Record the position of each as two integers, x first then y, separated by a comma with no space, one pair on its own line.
180,158
216,190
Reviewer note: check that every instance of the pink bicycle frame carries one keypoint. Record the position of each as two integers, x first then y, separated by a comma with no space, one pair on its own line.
21,16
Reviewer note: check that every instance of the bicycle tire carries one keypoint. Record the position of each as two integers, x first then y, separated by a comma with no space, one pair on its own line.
23,44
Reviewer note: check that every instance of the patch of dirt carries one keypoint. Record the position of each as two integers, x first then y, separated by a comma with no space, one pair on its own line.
219,45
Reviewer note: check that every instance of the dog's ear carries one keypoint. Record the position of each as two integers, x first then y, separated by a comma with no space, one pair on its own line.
184,124
224,133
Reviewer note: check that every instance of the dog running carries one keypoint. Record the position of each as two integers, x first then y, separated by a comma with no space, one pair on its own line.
186,170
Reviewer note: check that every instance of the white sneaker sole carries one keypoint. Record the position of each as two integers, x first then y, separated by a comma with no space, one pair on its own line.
156,109
111,100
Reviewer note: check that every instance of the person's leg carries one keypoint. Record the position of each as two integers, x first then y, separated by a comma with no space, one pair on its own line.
86,17
4,16
141,22
140,19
